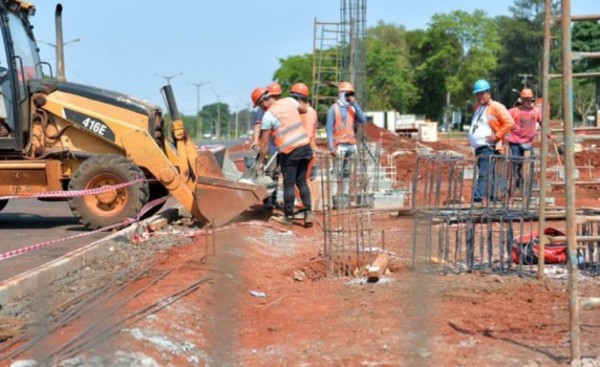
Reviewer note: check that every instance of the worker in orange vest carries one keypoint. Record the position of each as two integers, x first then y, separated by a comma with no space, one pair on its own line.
491,122
341,140
275,91
283,123
300,92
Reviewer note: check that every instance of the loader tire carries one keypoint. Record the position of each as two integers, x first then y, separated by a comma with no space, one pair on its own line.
3,203
97,211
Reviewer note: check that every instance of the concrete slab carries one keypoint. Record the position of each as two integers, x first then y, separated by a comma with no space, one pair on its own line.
28,282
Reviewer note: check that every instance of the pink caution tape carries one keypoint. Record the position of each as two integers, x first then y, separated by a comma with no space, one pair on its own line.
126,222
74,193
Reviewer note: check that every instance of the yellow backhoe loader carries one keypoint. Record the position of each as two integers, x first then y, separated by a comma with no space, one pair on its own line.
56,135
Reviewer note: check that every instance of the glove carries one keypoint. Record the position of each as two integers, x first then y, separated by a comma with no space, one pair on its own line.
254,146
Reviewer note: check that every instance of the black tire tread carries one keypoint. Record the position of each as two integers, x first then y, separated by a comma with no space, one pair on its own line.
122,167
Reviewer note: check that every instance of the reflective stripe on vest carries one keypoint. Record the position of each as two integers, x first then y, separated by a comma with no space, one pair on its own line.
290,134
309,121
344,133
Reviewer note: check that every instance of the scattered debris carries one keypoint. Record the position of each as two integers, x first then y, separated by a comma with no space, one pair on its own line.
299,275
258,294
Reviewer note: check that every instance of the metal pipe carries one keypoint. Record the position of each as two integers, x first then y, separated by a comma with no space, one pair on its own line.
592,74
574,18
60,54
545,129
567,96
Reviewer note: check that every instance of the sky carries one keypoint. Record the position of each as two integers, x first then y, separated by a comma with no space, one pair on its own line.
235,45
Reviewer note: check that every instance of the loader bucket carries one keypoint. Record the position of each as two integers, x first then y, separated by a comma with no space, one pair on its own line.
219,200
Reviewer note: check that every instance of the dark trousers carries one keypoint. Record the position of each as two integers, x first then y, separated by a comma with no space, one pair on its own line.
293,168
517,150
485,173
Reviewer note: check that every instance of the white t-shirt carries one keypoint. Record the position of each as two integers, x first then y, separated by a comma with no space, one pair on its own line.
480,128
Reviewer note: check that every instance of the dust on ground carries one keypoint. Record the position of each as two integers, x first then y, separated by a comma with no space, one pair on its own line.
255,293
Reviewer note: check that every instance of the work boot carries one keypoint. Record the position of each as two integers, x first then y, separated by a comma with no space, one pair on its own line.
285,220
308,219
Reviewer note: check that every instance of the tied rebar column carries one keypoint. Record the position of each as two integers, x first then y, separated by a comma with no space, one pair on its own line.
454,234
346,212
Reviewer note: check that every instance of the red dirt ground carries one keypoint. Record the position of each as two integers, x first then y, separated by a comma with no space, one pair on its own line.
408,319
411,319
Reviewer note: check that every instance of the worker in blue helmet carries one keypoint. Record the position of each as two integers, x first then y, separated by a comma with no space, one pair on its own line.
491,122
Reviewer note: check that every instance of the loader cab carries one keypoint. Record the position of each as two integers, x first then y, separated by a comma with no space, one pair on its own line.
19,63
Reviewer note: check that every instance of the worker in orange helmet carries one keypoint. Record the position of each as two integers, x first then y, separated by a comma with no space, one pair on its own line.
300,92
527,117
274,90
283,123
341,141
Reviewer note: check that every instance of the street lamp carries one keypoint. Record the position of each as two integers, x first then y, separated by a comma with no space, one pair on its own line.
168,77
199,121
60,66
64,43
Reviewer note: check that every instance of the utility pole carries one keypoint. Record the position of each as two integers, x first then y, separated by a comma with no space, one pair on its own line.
237,113
525,77
198,119
60,67
168,77
218,127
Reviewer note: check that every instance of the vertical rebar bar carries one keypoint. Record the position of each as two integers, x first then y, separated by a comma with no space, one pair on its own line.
545,130
567,99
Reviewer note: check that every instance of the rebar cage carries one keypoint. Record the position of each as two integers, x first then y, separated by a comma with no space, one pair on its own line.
452,233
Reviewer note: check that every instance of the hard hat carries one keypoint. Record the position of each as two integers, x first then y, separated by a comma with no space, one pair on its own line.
257,94
300,88
481,86
527,93
274,89
346,87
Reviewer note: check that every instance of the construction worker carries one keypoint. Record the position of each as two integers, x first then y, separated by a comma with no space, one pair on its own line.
526,117
282,121
491,122
341,139
300,92
274,90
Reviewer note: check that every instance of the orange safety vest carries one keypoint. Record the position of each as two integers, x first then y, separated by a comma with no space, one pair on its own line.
290,134
344,133
309,121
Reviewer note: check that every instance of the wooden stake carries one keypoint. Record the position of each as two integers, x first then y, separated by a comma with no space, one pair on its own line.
377,268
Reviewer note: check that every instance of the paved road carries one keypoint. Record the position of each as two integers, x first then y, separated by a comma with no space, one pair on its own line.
27,222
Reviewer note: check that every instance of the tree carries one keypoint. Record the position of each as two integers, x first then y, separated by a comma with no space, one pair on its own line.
294,69
389,81
211,115
460,48
585,38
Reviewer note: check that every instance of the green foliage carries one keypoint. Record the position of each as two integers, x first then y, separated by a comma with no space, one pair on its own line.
458,48
390,83
294,69
431,71
211,115
586,38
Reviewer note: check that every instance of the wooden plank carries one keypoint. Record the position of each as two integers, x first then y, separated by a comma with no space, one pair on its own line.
157,224
377,268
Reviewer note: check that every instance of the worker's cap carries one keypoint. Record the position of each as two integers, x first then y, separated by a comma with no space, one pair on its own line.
258,95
